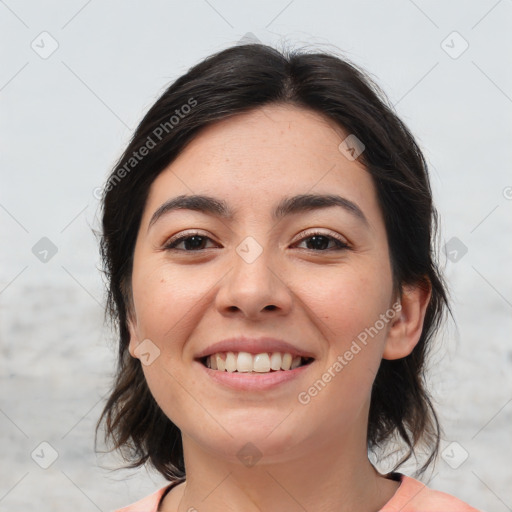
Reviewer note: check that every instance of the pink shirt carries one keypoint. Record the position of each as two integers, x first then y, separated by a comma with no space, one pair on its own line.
411,496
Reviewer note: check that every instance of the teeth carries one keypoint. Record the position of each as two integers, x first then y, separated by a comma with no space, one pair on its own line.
230,362
261,363
221,363
295,362
244,362
275,361
286,363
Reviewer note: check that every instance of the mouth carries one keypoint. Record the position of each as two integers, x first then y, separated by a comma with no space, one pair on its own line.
261,363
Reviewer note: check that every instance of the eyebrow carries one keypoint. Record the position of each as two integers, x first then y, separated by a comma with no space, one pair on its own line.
287,206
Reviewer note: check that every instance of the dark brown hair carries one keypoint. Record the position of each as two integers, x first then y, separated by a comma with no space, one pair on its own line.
231,82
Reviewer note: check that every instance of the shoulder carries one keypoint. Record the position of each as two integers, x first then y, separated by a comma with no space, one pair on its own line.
414,496
149,503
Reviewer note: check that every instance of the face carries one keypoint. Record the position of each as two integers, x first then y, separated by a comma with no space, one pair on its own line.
316,278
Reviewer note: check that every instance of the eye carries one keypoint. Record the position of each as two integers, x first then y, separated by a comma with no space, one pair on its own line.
193,242
319,242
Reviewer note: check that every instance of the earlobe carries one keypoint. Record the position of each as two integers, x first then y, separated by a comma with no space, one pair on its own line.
406,328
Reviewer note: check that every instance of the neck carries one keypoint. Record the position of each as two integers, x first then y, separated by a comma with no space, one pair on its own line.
325,477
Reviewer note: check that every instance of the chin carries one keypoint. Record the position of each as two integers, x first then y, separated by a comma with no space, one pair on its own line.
272,439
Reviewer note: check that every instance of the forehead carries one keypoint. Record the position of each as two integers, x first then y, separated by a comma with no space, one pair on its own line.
259,156
272,135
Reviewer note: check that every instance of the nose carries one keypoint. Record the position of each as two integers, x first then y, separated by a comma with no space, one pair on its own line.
255,285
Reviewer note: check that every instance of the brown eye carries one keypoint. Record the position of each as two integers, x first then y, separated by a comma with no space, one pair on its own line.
320,242
192,242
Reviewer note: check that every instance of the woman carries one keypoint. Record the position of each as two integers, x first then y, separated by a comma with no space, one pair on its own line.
268,240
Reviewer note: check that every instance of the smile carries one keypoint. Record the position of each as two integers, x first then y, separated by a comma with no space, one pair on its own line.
244,362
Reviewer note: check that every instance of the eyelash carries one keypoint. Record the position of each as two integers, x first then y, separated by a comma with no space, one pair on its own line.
341,245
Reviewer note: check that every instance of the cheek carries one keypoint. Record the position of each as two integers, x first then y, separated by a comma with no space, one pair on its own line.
165,301
350,300
167,304
350,305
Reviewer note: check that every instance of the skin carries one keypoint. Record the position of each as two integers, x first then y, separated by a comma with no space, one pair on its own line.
314,456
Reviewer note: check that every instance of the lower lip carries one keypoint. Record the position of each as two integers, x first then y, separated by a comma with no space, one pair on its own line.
253,381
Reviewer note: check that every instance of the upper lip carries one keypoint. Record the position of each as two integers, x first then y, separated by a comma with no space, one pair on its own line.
254,346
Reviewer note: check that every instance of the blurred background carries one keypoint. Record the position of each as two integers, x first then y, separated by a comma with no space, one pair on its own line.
75,79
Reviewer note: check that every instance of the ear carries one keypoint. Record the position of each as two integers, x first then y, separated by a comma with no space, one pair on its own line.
406,329
134,341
